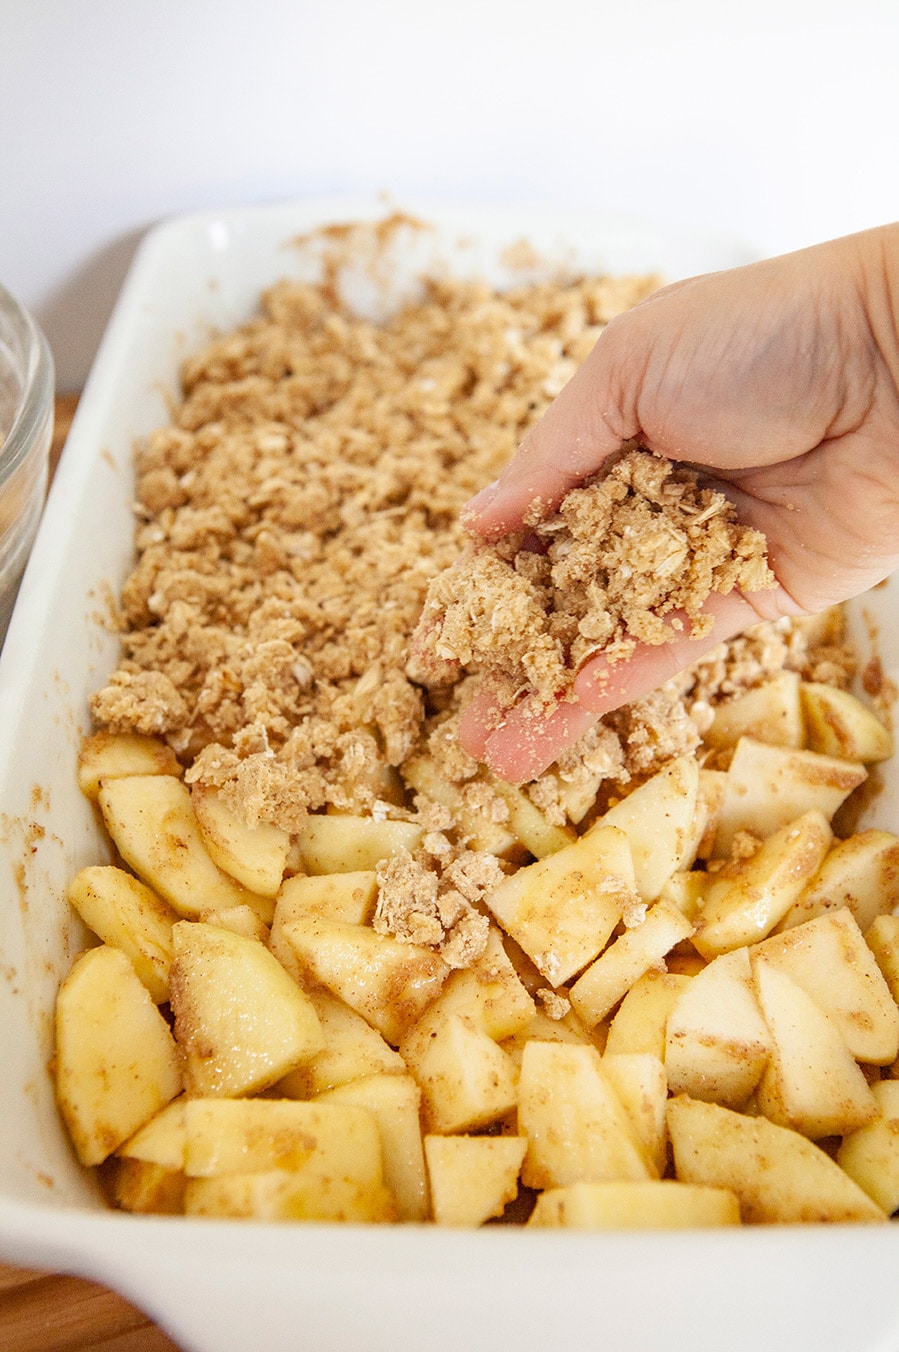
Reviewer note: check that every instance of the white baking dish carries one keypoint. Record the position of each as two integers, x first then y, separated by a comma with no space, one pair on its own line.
227,1287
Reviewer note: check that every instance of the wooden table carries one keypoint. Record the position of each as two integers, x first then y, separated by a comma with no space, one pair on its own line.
43,1312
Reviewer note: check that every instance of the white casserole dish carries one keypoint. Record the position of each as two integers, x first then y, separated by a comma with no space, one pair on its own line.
227,1287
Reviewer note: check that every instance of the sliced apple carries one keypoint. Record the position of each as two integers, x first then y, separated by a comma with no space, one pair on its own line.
652,1204
467,1080
811,1081
839,724
254,855
153,824
626,959
241,1022
115,755
717,1043
473,1178
562,909
394,1101
778,1175
126,914
116,1062
769,713
870,1155
338,843
659,819
577,1128
640,1021
387,981
829,959
748,897
768,787
861,872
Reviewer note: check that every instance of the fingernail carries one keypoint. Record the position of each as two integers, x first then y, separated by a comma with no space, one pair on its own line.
481,501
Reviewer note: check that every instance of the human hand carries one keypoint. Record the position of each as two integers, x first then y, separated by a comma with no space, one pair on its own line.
780,381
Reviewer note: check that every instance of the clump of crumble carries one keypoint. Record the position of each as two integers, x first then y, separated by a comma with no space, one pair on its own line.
628,558
432,901
293,515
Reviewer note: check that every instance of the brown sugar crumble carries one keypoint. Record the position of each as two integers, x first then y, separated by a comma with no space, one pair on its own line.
291,520
622,561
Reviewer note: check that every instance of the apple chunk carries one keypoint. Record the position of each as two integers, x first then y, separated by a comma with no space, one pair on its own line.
154,827
717,1042
387,981
240,1020
347,897
272,1159
641,1018
467,1080
778,1175
562,909
578,1130
811,1082
769,713
861,873
641,1084
126,914
394,1102
116,755
626,960
659,819
352,1050
472,1177
767,787
840,725
655,1204
341,843
748,897
254,855
116,1061
829,959
871,1155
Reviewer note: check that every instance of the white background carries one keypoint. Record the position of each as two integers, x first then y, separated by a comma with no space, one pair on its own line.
776,121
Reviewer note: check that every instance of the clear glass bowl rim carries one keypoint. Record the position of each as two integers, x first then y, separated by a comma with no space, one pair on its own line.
37,392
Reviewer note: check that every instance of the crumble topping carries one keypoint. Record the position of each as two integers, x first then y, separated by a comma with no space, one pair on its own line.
291,519
555,1006
436,907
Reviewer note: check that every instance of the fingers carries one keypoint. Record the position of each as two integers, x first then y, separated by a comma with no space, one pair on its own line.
528,740
520,744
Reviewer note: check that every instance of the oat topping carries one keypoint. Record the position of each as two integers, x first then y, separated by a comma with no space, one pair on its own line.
421,905
292,516
555,1006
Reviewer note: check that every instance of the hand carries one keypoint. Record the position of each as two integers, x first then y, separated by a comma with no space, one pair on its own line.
781,381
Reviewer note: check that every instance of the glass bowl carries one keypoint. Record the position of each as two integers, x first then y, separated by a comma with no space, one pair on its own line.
26,429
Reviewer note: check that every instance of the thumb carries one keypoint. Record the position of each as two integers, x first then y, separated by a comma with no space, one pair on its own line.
579,431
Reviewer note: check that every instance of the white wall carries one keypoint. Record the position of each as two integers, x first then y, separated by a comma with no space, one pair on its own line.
774,120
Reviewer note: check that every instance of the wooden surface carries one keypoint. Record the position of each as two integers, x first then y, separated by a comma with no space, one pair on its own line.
45,1312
